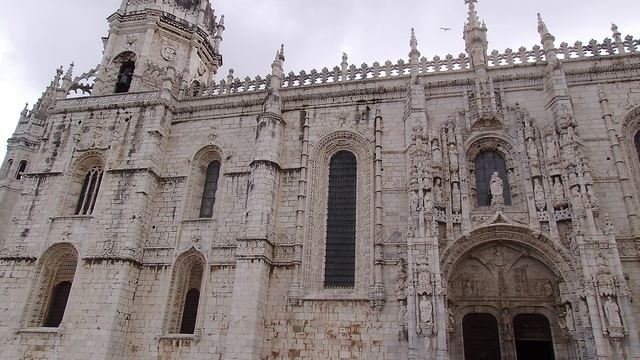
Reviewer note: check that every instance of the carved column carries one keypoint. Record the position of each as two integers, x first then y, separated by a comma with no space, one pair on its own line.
255,249
376,293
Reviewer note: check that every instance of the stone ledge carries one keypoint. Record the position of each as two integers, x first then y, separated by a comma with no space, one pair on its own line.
41,330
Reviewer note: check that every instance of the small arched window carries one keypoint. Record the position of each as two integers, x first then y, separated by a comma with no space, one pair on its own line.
210,188
636,141
7,170
59,298
486,163
339,267
22,168
89,192
56,272
190,312
125,77
189,4
185,292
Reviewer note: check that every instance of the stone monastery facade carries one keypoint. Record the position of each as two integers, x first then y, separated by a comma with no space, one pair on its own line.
480,206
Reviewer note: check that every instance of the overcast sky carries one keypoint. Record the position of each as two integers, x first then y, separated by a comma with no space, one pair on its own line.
38,36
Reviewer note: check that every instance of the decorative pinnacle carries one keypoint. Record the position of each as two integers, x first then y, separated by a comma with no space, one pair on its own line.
221,20
542,27
614,27
414,41
472,20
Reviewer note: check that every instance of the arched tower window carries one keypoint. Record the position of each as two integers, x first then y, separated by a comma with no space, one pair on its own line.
486,164
22,168
55,278
125,76
189,4
7,170
339,267
186,287
89,192
210,188
636,141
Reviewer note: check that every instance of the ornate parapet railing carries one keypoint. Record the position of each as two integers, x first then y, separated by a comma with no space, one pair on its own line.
352,73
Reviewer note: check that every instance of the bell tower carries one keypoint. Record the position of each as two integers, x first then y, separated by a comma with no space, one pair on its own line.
147,37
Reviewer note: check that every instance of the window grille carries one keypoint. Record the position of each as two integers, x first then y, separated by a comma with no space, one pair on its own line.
22,168
486,163
339,269
209,191
89,192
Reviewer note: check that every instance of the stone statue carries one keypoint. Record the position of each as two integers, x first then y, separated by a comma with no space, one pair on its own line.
497,189
569,321
436,152
558,191
437,192
453,158
426,310
539,196
428,201
413,201
456,200
612,312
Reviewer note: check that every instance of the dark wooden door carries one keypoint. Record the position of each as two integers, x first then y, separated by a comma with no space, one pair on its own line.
481,339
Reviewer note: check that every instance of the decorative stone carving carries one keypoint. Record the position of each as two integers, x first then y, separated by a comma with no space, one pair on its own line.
497,189
423,278
425,316
612,312
401,281
540,201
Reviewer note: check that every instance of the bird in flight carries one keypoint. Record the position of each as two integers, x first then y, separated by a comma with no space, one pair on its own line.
445,28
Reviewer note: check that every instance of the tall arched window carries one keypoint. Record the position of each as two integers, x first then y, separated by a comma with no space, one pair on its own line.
55,277
340,256
486,163
89,192
125,76
209,190
22,168
185,293
7,170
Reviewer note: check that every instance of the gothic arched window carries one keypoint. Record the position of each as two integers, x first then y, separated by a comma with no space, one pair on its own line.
486,164
55,277
22,168
186,286
7,170
636,141
59,298
125,76
340,257
89,192
209,190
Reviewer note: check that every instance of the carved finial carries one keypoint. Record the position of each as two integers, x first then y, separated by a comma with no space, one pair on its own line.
221,20
542,27
25,111
614,27
414,41
345,57
472,19
281,54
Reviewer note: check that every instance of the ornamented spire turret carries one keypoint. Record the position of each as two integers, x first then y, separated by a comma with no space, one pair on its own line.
475,37
617,39
548,45
414,55
277,72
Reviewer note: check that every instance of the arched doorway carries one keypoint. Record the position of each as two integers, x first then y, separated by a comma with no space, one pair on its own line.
533,337
481,339
517,288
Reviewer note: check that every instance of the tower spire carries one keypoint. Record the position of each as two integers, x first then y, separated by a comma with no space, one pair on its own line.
472,18
414,55
547,41
475,37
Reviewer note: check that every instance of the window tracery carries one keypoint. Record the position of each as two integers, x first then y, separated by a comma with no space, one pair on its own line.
209,189
84,185
204,184
89,192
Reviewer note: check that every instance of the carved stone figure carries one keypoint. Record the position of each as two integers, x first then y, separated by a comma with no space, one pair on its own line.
437,192
569,321
455,198
414,202
612,312
436,152
539,195
453,158
428,201
426,310
497,189
558,194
